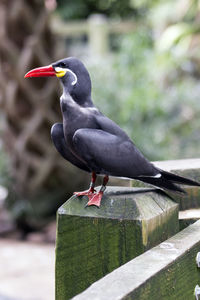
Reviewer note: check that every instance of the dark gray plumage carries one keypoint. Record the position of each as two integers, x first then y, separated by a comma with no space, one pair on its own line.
94,143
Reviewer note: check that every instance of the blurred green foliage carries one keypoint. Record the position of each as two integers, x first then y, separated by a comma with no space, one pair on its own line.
150,86
81,9
159,113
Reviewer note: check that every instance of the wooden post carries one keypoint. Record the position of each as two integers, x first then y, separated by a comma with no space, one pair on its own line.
92,242
98,35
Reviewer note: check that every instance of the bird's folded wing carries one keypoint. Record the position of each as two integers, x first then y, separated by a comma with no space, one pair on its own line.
107,153
58,139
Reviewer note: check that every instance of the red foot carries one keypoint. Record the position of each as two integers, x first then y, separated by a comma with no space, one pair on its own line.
96,199
89,193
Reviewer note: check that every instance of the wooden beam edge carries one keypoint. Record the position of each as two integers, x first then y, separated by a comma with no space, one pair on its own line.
132,275
178,164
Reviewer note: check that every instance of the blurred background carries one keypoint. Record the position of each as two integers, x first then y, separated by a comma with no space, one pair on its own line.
144,61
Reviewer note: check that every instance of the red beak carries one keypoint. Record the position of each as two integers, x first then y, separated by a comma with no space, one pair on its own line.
41,72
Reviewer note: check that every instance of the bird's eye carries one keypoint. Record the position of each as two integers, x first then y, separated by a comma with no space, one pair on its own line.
62,65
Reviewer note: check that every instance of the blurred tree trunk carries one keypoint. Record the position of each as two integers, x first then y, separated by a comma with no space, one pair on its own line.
31,107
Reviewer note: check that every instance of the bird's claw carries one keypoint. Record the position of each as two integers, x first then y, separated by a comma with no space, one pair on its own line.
96,199
89,193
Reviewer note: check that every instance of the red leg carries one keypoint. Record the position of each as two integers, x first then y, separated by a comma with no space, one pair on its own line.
90,192
96,199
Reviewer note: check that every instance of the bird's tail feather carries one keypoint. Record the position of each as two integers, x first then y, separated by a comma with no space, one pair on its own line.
178,179
168,180
162,183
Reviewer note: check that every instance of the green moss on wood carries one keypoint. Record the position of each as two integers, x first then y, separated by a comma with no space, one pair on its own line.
92,242
175,282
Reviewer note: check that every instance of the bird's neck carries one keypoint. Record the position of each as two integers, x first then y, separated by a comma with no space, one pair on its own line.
72,99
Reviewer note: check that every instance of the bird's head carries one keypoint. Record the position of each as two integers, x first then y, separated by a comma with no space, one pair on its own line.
72,73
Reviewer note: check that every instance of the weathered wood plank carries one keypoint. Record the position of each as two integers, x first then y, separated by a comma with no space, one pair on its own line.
65,29
180,165
189,214
92,242
78,28
187,217
167,271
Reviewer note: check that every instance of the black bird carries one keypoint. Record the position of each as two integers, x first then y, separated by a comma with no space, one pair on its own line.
94,143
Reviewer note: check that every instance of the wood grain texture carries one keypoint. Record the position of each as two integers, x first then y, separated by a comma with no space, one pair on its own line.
91,241
167,271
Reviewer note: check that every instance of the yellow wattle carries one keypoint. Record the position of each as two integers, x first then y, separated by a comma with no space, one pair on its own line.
61,73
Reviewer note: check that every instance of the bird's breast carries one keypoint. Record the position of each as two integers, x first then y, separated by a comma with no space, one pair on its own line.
72,122
76,117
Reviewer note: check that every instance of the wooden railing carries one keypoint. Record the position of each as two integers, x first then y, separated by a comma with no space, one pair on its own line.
97,28
168,271
117,239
